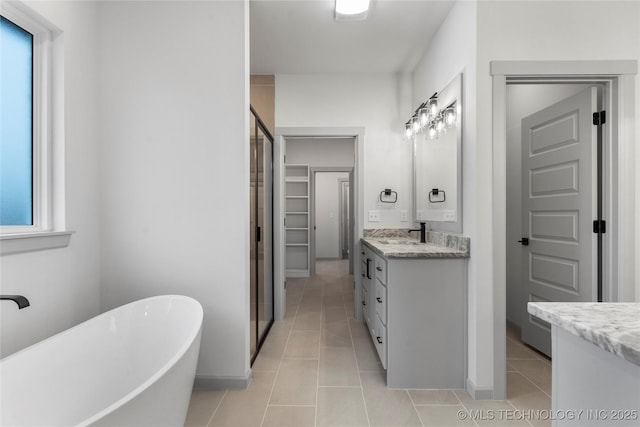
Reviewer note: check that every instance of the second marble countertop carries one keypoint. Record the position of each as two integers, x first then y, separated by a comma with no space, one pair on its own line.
614,327
393,247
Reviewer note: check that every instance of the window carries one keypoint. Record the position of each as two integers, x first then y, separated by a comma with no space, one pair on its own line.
16,131
31,161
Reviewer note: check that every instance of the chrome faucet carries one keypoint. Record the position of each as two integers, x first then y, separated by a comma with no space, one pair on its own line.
18,299
423,232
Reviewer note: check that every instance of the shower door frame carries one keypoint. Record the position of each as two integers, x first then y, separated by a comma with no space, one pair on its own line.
260,126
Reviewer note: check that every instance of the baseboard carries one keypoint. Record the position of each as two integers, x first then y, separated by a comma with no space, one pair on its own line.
297,273
212,382
478,393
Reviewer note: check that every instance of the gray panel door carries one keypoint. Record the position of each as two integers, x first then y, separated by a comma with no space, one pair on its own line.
559,177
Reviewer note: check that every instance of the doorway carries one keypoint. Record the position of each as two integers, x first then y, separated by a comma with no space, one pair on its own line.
320,139
619,202
553,195
327,212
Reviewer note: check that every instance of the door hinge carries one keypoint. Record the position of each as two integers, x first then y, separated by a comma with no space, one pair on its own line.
599,118
599,226
258,236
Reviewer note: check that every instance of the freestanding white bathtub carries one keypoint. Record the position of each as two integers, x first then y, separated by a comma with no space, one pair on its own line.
131,366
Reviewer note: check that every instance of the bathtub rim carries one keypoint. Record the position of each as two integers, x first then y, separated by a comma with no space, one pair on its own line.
181,351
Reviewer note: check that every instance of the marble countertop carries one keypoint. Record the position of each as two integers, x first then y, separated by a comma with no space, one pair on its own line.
394,247
614,327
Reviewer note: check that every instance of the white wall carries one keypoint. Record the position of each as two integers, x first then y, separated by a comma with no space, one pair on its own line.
63,284
174,88
373,101
522,100
321,152
327,214
452,51
529,30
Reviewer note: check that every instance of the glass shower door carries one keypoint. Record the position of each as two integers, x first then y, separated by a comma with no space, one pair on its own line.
261,294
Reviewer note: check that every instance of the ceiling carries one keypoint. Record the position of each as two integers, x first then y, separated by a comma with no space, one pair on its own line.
302,36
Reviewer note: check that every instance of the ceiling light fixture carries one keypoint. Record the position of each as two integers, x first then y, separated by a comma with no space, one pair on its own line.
351,10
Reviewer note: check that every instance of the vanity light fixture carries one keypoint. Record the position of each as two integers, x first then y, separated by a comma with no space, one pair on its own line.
351,10
429,118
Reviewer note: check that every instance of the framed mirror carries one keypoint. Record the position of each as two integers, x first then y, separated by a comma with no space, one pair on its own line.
437,163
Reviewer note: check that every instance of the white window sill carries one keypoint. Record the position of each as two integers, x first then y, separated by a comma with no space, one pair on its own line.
34,241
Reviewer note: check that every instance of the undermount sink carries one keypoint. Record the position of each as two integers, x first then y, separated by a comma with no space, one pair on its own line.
399,242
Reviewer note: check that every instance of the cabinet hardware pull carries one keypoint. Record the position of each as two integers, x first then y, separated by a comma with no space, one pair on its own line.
379,268
379,340
379,300
362,274
362,252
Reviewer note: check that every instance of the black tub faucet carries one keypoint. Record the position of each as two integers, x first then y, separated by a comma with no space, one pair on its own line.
18,299
423,232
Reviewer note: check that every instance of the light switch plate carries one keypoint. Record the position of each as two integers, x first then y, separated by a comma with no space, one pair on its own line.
404,217
374,216
449,215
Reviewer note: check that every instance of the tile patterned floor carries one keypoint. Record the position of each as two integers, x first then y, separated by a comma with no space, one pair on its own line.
318,367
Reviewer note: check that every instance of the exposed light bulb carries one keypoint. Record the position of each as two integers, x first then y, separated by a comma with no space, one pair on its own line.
424,116
450,116
408,130
415,124
433,133
439,124
432,105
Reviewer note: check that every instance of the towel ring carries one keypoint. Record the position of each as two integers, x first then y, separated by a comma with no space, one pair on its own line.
436,192
387,192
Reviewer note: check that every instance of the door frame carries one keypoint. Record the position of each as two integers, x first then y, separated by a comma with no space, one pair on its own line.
344,227
281,135
619,208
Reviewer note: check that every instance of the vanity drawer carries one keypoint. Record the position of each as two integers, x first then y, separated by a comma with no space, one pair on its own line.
381,341
381,301
381,269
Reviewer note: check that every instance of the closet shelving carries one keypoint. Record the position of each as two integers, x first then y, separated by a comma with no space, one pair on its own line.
297,220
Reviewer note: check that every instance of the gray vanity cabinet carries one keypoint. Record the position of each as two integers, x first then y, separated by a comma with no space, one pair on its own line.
415,309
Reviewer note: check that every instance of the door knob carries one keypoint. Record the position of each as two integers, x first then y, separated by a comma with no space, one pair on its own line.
524,241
